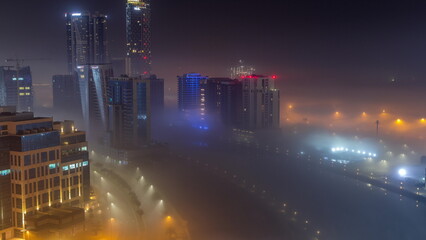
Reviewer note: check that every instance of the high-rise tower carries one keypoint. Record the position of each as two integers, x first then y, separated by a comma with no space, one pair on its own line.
138,35
16,88
86,39
261,102
129,111
66,96
191,91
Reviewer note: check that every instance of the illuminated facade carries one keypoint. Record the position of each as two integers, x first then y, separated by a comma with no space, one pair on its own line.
6,229
34,153
16,89
260,102
75,168
191,92
241,70
86,39
93,92
138,35
129,112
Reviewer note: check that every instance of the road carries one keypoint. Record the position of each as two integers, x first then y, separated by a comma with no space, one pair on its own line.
214,207
136,206
335,206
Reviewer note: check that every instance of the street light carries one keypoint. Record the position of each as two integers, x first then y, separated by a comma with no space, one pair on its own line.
402,172
26,234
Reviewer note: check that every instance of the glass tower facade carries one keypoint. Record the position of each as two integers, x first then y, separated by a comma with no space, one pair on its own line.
129,111
86,39
190,91
66,96
138,35
93,92
16,88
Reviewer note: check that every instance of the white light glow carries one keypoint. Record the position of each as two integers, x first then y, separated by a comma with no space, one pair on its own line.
402,172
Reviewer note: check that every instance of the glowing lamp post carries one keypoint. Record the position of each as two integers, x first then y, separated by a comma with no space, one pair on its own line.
402,172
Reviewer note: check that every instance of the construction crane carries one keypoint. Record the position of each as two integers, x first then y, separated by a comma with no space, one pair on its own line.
19,62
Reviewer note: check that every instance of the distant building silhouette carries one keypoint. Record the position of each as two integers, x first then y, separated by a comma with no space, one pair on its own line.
66,96
157,96
16,88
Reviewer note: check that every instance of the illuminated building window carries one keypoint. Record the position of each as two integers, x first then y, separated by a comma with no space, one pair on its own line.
5,172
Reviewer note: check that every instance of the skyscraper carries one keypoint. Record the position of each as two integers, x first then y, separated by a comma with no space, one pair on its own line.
34,176
261,102
138,35
231,103
66,96
129,112
157,94
191,91
86,39
93,92
16,88
213,93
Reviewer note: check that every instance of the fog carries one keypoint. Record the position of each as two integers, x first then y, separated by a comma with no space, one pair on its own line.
290,183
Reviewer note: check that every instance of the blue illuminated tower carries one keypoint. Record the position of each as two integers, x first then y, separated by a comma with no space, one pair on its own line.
138,35
191,91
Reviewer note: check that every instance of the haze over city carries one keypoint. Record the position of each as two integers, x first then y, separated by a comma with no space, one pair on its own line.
205,120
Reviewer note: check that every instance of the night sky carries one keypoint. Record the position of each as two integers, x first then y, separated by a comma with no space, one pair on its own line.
330,42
